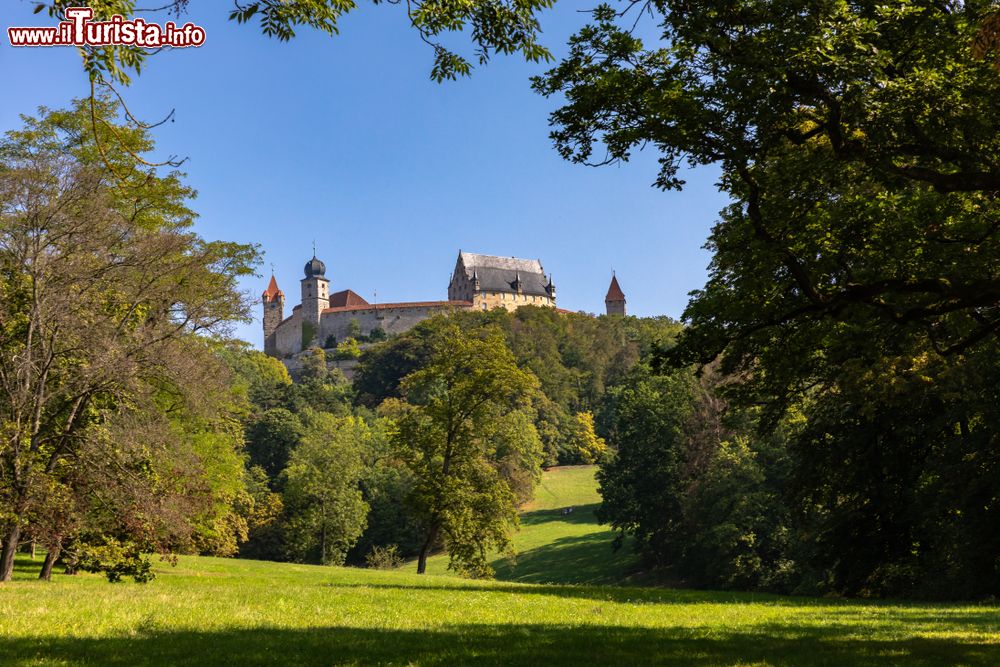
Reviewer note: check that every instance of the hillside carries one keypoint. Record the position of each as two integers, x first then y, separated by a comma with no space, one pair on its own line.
557,548
210,611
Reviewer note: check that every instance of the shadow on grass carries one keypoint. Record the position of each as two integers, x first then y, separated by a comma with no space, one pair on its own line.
583,559
497,644
582,514
578,559
914,615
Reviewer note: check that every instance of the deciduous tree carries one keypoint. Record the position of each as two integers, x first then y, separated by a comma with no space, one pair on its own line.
104,292
459,401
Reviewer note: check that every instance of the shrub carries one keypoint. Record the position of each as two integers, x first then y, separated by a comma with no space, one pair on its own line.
384,558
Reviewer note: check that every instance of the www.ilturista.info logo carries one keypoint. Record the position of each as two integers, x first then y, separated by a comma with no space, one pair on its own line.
80,30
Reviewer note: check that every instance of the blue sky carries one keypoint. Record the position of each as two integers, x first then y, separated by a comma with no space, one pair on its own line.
345,140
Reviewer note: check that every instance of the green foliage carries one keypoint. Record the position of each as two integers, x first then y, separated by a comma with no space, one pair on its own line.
112,557
577,359
517,452
264,379
347,349
704,501
271,436
386,486
326,512
122,407
497,26
853,280
643,485
737,527
587,445
458,402
308,335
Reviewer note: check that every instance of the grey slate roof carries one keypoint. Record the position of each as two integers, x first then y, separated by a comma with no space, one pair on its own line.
497,274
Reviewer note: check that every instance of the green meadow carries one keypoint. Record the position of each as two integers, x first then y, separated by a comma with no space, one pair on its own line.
553,547
211,611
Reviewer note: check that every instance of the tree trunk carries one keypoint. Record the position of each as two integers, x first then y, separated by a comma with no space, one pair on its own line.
322,539
51,556
425,549
10,540
32,549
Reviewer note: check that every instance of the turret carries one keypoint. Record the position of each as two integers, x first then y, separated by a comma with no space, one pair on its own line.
315,299
273,301
550,288
614,302
517,285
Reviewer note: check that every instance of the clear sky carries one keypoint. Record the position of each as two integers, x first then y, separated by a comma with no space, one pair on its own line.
344,140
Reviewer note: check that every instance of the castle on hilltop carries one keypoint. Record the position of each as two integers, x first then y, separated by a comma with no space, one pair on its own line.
479,282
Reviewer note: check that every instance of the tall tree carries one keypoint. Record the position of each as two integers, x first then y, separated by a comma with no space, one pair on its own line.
103,292
857,263
458,403
859,142
326,511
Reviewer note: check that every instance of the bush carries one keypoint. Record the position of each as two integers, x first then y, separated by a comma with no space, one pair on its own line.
384,558
114,558
348,349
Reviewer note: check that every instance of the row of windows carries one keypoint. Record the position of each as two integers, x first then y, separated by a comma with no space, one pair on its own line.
527,298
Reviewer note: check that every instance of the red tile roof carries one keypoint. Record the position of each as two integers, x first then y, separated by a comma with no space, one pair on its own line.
346,298
272,291
408,304
614,291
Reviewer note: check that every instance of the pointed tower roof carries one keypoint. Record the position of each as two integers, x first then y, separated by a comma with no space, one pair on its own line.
272,291
615,292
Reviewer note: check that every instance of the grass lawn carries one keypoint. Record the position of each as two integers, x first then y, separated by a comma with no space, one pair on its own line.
558,548
212,611
230,612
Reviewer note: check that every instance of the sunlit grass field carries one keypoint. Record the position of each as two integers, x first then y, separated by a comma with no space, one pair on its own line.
210,611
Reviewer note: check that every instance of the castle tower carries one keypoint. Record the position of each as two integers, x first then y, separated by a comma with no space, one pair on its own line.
273,300
614,302
315,299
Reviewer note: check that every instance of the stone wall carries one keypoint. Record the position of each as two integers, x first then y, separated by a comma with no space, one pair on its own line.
391,319
288,337
615,307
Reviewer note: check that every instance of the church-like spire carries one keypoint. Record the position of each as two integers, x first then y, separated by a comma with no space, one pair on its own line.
614,290
614,301
272,292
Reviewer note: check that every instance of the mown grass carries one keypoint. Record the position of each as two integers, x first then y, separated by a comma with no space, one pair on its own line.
553,547
211,611
231,612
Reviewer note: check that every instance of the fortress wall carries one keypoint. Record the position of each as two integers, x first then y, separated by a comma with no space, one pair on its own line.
391,320
288,336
